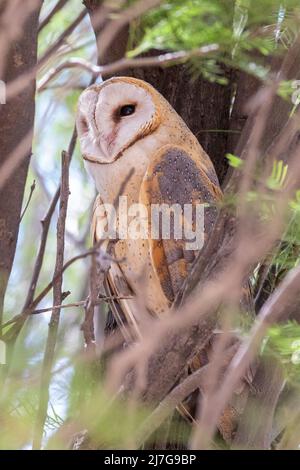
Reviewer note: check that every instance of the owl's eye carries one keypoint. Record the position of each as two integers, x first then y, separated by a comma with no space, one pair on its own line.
127,110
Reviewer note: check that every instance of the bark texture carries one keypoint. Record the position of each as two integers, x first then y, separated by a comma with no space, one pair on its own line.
16,121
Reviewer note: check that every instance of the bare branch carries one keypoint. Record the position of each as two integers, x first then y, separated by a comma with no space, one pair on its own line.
197,380
57,298
113,27
277,308
169,58
59,5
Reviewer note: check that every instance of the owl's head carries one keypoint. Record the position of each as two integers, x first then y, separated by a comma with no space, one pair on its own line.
114,115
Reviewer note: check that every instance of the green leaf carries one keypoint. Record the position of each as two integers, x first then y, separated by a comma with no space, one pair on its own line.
278,176
234,161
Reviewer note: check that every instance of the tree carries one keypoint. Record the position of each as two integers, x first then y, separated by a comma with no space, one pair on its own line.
16,120
231,71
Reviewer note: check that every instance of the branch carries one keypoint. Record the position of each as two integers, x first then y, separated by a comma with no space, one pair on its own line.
41,252
169,58
20,318
30,304
60,4
277,308
17,85
197,380
110,31
57,298
254,429
81,303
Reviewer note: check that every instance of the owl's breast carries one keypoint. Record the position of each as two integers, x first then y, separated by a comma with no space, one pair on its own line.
134,254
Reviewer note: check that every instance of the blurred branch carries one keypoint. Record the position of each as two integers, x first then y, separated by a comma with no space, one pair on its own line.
222,254
88,324
169,58
197,380
256,423
124,17
15,86
59,5
276,308
288,408
290,438
61,39
20,318
30,304
57,298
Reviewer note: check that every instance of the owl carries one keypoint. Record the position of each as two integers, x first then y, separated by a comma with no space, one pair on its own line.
126,127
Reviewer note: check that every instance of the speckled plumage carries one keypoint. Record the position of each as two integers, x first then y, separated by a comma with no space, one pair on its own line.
169,166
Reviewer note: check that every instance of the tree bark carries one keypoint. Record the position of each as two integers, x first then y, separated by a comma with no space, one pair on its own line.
16,122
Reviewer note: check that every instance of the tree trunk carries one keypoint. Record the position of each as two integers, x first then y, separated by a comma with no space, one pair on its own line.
16,123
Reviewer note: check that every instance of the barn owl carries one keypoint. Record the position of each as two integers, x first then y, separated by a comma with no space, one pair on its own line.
125,125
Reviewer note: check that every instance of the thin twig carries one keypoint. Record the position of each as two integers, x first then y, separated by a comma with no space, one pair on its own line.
41,252
61,39
30,304
59,5
88,325
20,318
32,188
81,303
50,285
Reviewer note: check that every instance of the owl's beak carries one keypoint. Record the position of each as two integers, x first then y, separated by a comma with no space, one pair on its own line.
92,150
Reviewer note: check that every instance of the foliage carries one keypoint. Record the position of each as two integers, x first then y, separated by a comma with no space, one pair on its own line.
246,31
284,342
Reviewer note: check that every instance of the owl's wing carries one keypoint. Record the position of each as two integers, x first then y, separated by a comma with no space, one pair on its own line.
114,282
176,176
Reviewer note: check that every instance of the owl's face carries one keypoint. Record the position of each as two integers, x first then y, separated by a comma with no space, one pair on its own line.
113,116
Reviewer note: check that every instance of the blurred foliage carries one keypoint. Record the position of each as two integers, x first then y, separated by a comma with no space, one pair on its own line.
284,342
247,31
234,161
